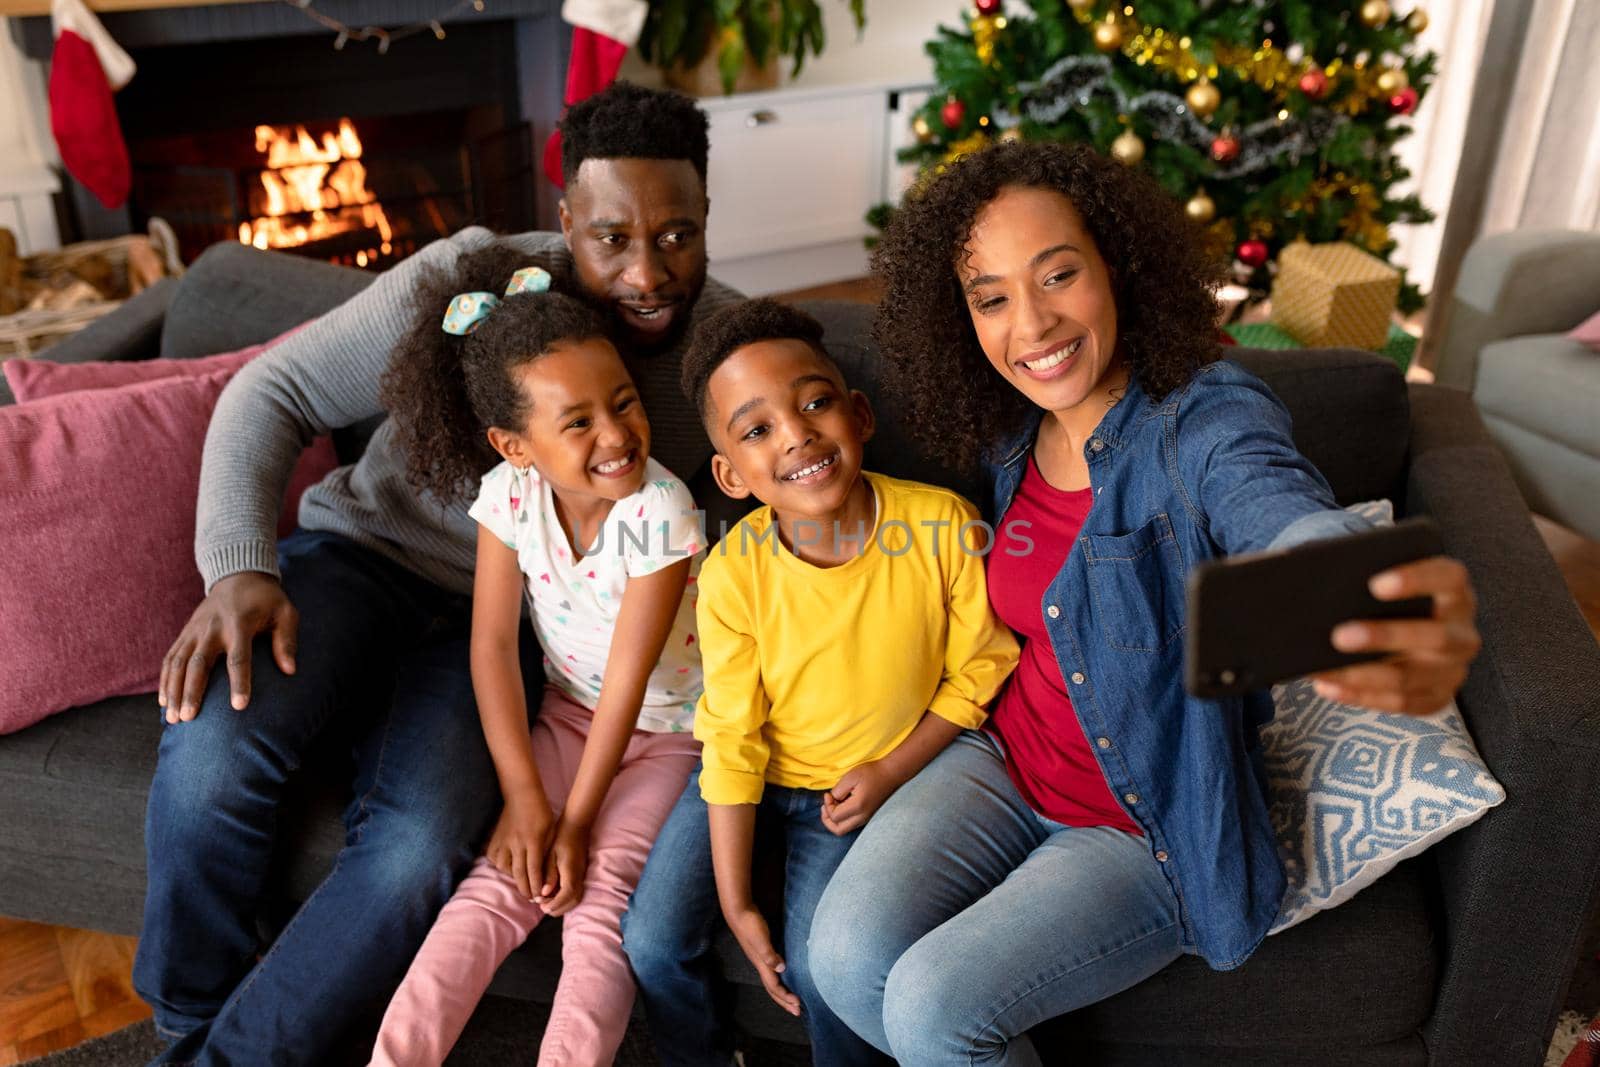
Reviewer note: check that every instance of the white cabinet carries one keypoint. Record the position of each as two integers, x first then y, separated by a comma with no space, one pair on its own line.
791,176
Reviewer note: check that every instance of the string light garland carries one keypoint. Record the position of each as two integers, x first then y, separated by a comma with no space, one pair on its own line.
385,37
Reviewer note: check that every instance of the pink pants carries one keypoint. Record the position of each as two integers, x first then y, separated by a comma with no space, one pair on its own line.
488,918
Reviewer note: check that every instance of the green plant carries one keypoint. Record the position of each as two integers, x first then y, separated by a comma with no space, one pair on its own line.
681,32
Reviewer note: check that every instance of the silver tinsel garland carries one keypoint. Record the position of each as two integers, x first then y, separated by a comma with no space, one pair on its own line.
1075,80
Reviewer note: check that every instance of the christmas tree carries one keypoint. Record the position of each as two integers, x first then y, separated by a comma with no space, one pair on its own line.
1271,120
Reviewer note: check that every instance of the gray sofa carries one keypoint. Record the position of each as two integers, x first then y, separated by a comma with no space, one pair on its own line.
1461,956
1539,391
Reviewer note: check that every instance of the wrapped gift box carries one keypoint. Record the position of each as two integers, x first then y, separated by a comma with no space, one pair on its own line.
1334,295
1399,347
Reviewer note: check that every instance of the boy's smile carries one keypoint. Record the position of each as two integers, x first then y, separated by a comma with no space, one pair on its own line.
789,433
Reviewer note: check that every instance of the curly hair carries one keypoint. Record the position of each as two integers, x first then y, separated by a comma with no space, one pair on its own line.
443,391
719,335
1163,282
627,121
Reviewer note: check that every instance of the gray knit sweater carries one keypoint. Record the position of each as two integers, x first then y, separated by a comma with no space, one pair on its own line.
326,377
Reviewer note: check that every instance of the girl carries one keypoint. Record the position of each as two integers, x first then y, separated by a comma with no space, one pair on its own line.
600,539
1051,312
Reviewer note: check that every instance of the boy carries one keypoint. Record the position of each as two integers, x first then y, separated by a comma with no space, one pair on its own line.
846,638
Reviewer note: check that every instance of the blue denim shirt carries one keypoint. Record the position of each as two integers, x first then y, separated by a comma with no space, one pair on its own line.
1209,471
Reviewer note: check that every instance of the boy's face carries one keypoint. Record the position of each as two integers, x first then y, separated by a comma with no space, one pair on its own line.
786,429
586,431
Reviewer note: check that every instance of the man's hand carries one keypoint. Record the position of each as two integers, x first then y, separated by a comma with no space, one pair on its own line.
857,796
520,840
756,940
1428,658
238,608
564,867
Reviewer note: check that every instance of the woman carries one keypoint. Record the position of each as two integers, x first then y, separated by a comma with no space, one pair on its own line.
1051,313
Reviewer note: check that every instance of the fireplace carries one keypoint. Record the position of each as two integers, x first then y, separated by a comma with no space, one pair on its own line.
241,126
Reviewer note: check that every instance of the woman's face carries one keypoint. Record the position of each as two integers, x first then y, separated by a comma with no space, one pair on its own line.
1040,299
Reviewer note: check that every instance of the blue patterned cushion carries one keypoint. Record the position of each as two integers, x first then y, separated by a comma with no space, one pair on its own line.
1353,792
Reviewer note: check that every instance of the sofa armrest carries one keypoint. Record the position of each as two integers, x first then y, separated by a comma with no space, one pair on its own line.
1519,885
1511,284
133,331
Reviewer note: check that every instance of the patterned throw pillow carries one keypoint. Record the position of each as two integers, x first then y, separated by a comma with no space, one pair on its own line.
1353,792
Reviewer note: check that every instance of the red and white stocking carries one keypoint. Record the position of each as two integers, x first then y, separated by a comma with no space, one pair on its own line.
86,67
602,33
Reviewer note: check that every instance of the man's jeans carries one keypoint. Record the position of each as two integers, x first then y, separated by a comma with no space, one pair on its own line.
962,918
383,665
668,929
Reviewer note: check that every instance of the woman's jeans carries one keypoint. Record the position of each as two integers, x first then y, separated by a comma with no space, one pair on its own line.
382,666
961,918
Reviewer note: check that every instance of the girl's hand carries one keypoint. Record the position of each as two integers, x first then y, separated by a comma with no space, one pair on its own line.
756,940
1428,657
564,867
520,840
857,797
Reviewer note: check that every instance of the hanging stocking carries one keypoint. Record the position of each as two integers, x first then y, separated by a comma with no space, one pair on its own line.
86,67
602,33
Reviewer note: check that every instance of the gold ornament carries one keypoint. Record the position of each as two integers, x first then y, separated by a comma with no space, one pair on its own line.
985,31
967,145
1417,21
1081,7
1392,81
1375,13
1203,98
1107,36
1127,149
1011,135
920,127
1200,208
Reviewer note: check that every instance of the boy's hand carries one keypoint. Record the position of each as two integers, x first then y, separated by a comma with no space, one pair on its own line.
564,867
520,839
857,796
756,940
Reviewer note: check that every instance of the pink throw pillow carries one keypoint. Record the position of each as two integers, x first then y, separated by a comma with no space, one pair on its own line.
34,379
97,508
1587,332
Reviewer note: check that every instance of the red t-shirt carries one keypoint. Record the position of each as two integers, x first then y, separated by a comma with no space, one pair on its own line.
1047,755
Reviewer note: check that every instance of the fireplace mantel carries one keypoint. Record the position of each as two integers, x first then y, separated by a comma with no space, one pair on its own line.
20,8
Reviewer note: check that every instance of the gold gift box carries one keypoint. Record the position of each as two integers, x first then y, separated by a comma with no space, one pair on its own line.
1334,296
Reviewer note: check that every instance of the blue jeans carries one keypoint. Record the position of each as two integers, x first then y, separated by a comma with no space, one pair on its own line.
383,665
668,928
962,918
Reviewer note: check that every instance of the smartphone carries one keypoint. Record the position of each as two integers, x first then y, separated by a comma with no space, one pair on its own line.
1263,618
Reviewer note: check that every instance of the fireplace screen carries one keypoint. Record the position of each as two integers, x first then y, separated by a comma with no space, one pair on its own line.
358,192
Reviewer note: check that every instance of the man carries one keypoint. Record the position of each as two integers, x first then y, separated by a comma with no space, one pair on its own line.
355,629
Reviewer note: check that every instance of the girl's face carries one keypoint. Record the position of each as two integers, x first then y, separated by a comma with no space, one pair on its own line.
1041,302
586,431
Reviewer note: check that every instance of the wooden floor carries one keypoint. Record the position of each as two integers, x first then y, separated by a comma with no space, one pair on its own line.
60,986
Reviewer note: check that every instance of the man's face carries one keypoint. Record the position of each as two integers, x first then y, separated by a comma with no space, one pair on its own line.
636,229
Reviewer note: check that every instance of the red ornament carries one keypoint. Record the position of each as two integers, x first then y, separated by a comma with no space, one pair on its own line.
1225,149
953,112
1314,83
988,7
1404,102
1252,253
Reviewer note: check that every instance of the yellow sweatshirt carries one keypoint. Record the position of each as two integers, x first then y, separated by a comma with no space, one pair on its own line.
810,671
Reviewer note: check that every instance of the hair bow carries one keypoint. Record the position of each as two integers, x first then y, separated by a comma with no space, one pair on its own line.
467,310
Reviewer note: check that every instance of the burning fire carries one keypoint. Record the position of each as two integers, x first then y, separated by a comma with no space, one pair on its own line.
315,191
